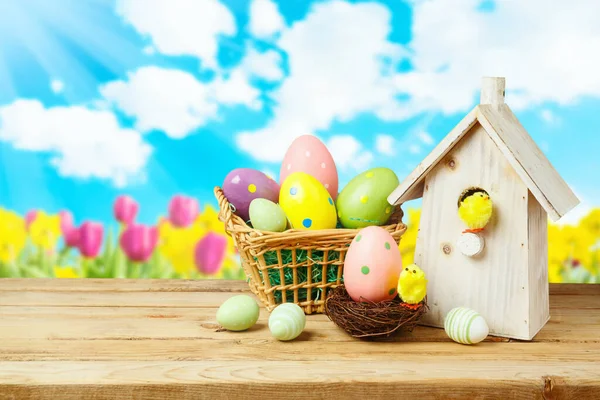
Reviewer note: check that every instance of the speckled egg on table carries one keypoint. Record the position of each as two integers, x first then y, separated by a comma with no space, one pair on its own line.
309,155
372,265
238,313
243,185
306,203
363,201
267,216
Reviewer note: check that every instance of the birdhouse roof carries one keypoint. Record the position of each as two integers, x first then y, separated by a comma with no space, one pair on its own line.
503,127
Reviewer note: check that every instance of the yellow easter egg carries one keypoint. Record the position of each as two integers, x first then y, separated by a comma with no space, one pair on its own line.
307,203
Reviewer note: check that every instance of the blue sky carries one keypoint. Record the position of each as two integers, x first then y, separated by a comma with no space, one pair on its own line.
154,98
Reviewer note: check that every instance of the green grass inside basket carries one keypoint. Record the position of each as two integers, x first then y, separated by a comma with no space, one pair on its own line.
316,266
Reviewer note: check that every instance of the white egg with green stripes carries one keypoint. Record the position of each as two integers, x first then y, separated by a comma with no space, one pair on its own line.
465,326
287,321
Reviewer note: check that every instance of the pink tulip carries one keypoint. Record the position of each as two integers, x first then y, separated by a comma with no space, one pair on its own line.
183,211
125,209
29,218
69,231
138,242
91,235
210,253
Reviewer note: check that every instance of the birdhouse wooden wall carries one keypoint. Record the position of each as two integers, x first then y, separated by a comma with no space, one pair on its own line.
507,282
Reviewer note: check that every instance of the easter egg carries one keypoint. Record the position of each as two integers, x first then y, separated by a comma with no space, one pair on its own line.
243,185
287,321
238,313
267,216
309,155
465,326
363,201
307,203
372,266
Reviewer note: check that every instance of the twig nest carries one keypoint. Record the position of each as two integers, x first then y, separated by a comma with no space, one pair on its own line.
369,320
470,244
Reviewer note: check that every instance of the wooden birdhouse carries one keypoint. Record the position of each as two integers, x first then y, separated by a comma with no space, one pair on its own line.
499,268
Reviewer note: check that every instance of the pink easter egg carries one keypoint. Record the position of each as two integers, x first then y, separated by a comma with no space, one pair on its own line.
309,155
372,266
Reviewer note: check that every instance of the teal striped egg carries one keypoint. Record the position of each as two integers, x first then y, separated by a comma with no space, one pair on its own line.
465,326
287,321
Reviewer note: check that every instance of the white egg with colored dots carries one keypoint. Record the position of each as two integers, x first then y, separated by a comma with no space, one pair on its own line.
465,326
287,321
307,203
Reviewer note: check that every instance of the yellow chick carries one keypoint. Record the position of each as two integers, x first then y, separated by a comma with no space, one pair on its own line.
475,210
412,286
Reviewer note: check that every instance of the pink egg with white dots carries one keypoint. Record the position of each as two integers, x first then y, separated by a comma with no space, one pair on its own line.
309,155
372,266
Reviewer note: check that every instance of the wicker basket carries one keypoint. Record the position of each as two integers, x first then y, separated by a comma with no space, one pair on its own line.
305,283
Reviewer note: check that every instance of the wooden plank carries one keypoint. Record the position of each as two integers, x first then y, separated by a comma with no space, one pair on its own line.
495,283
537,244
407,190
307,348
350,379
548,187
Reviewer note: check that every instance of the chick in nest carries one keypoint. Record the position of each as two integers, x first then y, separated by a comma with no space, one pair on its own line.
412,286
475,209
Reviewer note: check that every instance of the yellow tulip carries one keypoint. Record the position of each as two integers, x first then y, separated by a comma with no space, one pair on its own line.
65,272
45,230
13,235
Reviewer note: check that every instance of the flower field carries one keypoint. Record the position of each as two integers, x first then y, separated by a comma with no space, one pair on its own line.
186,243
190,243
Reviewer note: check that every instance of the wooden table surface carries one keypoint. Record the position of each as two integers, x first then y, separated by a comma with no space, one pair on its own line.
68,339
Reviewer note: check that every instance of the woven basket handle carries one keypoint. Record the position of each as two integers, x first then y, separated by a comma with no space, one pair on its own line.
226,214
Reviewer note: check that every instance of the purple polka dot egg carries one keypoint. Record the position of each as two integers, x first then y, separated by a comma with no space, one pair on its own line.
242,185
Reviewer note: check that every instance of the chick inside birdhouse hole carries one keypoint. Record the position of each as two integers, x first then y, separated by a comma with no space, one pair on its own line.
468,192
475,210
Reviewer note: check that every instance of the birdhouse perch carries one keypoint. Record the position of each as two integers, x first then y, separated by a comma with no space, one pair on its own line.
504,274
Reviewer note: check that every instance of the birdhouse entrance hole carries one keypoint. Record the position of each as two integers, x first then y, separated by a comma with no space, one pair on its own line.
466,193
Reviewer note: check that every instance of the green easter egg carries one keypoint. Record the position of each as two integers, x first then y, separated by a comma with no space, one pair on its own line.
363,202
287,321
238,313
267,216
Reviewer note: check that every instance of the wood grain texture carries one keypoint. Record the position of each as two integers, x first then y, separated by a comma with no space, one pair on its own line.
528,160
495,283
413,186
102,343
537,242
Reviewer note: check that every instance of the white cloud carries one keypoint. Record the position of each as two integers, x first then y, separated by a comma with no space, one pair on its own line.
549,117
425,138
234,89
329,79
348,153
181,27
57,86
83,143
174,101
576,214
170,100
265,19
453,50
385,144
265,65
414,149
149,50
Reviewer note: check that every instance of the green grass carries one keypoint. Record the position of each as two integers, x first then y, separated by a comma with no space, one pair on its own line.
316,267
